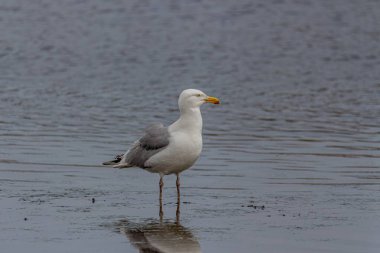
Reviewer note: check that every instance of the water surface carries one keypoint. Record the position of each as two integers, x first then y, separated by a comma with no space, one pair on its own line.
291,157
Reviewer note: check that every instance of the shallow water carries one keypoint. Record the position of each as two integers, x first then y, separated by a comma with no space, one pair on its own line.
291,157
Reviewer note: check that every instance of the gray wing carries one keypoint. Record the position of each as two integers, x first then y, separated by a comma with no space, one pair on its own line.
156,138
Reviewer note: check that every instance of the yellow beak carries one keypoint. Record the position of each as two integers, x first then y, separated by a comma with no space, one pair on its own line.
212,100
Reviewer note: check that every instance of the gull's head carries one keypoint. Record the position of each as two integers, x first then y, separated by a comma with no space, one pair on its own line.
192,98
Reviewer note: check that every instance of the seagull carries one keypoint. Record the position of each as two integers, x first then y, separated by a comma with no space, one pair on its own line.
172,149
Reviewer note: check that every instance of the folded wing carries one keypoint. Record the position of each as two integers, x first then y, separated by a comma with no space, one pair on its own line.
156,138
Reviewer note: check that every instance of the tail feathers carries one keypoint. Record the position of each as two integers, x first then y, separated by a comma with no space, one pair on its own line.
122,165
116,160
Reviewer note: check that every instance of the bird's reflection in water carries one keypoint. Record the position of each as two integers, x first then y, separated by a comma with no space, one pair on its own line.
159,236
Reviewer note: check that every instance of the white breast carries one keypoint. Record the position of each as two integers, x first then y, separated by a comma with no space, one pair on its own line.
182,152
185,144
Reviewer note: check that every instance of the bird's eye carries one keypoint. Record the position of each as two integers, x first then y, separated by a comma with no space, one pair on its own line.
198,95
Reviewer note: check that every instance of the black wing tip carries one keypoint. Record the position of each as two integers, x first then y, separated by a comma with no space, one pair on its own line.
116,160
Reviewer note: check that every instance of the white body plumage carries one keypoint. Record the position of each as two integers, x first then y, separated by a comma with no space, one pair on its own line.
185,145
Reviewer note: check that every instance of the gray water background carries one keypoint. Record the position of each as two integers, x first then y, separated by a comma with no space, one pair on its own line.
297,130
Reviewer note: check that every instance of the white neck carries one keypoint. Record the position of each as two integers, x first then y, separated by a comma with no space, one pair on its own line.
190,120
